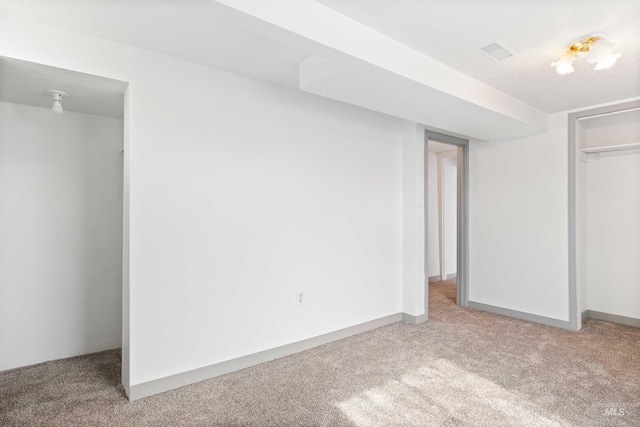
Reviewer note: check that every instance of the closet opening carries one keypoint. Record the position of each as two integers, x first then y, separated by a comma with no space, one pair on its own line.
62,214
604,207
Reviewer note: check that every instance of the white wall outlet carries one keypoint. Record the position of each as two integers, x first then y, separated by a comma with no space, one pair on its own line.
299,298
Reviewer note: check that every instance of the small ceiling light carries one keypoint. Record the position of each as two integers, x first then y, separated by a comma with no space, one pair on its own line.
599,51
565,64
57,98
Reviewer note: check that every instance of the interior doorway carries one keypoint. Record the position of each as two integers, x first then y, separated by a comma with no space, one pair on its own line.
62,196
446,215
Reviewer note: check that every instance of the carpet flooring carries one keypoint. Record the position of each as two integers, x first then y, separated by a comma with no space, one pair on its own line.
462,368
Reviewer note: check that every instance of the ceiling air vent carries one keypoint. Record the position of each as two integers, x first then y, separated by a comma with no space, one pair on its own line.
497,51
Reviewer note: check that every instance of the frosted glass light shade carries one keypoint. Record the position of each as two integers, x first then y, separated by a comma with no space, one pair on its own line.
57,107
601,53
608,62
57,98
565,64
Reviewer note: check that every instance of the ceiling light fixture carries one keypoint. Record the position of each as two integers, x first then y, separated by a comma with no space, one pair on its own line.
57,98
599,51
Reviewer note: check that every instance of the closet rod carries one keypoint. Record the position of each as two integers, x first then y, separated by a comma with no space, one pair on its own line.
620,147
609,113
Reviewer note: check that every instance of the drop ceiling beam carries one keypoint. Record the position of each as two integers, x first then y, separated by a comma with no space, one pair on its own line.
350,53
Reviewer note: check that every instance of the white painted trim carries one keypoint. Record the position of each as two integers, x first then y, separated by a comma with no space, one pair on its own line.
564,324
149,388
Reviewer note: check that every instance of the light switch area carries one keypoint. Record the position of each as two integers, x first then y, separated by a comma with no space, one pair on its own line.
299,298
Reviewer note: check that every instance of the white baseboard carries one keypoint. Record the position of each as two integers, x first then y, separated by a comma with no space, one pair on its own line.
435,278
149,388
564,324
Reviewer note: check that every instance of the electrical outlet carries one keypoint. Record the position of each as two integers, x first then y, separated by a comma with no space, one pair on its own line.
300,298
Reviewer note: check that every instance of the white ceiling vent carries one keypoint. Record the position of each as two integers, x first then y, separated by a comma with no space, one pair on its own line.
497,51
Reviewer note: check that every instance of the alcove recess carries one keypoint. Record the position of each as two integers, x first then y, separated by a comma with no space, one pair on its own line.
607,212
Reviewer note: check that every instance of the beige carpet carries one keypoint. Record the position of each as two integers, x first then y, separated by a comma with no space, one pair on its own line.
464,367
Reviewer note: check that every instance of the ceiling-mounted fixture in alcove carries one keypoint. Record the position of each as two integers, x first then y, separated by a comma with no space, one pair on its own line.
57,98
599,51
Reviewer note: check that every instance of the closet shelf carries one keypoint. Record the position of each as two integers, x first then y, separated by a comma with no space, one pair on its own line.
621,147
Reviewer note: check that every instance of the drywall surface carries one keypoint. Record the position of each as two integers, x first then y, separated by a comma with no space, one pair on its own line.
617,129
518,223
61,234
413,211
613,235
249,195
433,217
241,194
450,208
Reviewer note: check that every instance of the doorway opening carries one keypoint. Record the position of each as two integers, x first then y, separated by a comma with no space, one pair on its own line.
62,204
446,219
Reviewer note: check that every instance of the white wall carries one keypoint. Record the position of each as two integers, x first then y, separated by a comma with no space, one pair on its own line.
413,209
518,223
433,216
241,193
617,129
450,214
613,235
611,238
245,197
449,201
61,228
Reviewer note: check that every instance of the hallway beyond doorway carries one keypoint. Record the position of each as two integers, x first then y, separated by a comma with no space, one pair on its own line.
442,297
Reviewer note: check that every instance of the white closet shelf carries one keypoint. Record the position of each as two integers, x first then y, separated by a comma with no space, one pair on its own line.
595,150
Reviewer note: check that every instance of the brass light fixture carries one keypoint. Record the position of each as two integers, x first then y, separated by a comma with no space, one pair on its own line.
599,51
